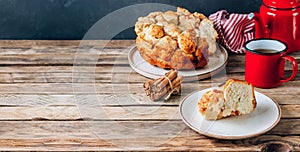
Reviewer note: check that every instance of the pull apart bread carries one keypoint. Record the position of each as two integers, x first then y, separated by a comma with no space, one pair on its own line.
236,98
176,40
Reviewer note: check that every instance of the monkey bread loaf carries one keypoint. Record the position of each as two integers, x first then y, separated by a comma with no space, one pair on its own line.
176,40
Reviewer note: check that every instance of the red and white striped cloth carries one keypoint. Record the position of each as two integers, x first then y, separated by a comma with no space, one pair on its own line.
233,29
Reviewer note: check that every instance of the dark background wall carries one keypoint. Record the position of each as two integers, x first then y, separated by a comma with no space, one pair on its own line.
71,19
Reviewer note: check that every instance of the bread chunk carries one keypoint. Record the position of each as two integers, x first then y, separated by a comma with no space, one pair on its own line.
194,37
209,34
235,98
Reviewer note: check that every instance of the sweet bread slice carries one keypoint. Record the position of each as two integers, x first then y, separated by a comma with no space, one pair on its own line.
235,98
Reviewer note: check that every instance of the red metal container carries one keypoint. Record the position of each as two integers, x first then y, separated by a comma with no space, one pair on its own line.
279,19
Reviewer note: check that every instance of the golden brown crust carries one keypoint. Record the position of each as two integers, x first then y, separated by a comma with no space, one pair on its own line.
209,96
254,103
175,39
180,60
187,42
212,97
157,31
229,81
200,16
203,103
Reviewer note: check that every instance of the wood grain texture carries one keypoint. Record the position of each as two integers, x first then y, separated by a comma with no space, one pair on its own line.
115,75
286,94
45,134
111,99
83,96
86,112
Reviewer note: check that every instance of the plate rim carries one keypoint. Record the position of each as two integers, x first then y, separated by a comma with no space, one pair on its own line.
208,74
229,137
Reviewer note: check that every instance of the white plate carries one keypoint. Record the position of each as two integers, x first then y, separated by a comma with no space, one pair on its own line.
265,116
217,62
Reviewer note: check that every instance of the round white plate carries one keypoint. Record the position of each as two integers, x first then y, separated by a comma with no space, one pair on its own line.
265,116
217,62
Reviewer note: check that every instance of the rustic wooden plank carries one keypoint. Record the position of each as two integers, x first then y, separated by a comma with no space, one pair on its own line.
100,145
286,94
65,50
90,113
289,111
75,76
70,59
57,134
6,78
64,69
71,129
51,88
115,76
72,78
68,74
132,112
87,88
61,43
138,98
83,100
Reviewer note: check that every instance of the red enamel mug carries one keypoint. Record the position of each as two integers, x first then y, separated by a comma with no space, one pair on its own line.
265,59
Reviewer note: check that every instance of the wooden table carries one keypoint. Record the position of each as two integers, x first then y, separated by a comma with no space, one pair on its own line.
83,95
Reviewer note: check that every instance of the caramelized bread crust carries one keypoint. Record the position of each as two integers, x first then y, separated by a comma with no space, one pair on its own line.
176,40
212,97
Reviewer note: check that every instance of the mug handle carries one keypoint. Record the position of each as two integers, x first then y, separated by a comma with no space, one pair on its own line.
295,68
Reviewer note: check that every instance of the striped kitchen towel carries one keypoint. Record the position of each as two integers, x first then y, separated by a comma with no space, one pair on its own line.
233,29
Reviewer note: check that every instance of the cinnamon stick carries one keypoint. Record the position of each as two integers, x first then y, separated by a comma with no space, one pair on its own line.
163,87
170,75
